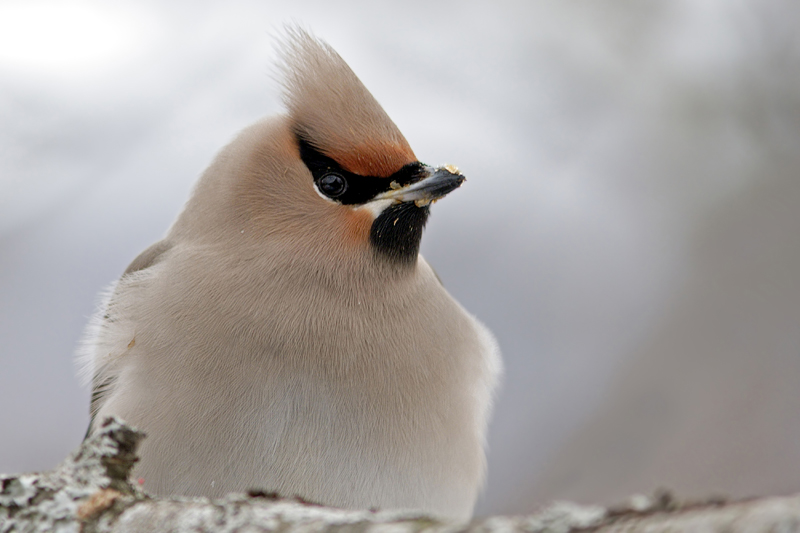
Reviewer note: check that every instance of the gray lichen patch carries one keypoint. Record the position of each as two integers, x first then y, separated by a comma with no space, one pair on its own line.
50,501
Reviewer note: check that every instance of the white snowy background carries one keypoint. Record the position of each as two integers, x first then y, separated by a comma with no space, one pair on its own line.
630,228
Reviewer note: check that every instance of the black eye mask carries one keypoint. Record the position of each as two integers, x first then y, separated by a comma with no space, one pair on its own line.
349,188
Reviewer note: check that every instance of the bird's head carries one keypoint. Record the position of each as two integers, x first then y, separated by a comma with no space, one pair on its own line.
334,177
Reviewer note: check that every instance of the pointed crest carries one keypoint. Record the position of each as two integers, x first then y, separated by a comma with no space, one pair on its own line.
331,109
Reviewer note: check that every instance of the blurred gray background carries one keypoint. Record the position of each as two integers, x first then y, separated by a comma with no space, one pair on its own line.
630,229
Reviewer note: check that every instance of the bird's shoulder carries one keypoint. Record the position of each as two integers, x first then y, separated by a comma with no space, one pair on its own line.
103,376
148,257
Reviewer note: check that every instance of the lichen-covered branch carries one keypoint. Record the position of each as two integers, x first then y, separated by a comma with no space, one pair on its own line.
89,492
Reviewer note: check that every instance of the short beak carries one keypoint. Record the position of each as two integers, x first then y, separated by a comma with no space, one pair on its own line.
437,183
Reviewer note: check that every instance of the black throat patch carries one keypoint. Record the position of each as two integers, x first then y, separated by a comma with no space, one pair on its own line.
396,234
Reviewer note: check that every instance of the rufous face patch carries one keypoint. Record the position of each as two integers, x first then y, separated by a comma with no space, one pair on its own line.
380,159
357,224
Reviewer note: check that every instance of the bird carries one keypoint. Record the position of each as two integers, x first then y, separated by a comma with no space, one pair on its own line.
286,334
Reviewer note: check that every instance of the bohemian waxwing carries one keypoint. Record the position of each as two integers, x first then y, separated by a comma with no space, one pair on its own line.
286,334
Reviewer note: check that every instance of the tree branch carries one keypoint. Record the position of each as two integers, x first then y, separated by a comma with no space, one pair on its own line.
89,492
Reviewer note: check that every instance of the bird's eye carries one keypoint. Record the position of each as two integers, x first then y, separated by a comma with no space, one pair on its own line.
332,185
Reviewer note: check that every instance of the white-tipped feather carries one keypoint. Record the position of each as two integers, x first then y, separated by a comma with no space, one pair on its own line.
87,356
